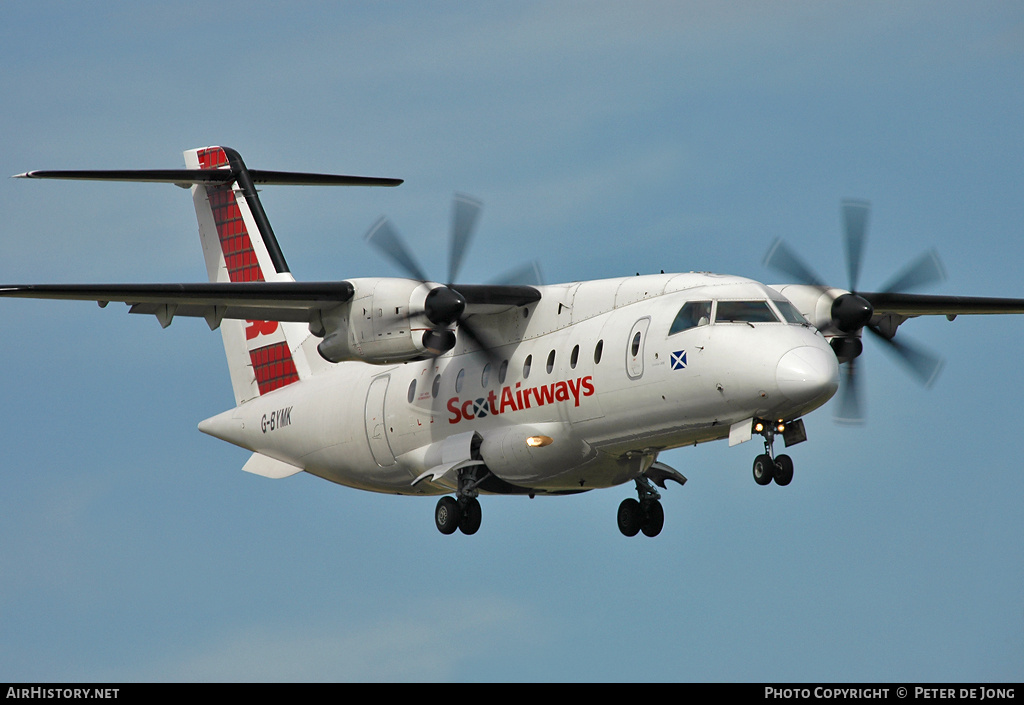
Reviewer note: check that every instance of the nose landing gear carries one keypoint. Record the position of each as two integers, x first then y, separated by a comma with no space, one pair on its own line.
768,466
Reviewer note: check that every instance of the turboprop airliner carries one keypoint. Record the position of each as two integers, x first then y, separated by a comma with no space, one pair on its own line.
418,387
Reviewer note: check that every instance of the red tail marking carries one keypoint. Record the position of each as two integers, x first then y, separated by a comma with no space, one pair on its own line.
258,328
239,256
273,366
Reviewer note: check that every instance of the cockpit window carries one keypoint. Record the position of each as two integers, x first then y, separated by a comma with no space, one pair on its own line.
789,312
691,315
745,312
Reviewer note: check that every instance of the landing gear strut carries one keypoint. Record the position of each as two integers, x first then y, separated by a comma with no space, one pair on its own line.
461,512
644,514
768,466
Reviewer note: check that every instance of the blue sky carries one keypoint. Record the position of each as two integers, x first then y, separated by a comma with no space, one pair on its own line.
605,139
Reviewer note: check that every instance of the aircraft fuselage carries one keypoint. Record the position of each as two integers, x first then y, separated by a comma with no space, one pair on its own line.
593,367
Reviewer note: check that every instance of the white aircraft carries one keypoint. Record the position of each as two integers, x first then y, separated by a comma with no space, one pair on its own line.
411,386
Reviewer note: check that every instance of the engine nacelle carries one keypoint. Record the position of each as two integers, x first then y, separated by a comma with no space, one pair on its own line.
383,322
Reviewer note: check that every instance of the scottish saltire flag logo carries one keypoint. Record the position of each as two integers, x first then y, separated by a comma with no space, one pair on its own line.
679,360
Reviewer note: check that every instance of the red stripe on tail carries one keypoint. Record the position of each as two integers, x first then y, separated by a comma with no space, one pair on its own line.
272,364
239,255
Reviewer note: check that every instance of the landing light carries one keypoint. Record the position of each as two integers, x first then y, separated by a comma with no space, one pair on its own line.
539,441
760,426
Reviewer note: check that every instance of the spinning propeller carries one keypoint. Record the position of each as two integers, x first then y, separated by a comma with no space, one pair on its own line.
853,311
445,306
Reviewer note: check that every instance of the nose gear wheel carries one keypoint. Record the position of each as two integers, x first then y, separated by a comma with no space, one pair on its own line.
768,466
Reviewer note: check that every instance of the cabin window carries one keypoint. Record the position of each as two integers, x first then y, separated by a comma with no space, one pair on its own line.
597,351
691,315
412,391
744,312
551,361
436,386
485,376
502,372
526,366
574,357
458,381
635,347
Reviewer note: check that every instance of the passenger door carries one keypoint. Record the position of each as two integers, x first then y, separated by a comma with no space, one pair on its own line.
376,425
635,348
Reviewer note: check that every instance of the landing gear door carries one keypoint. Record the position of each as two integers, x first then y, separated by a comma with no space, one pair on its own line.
376,429
635,348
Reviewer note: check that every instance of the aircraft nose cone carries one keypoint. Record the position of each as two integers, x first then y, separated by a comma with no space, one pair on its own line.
807,373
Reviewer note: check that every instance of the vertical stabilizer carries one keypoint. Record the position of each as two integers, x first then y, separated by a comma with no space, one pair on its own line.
239,246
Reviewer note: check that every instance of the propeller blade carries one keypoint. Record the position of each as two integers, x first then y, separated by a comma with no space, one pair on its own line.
385,238
781,257
855,224
926,269
465,213
924,365
852,312
524,275
849,410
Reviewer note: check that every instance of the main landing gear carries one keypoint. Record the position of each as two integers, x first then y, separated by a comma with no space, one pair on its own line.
768,466
461,512
644,514
464,515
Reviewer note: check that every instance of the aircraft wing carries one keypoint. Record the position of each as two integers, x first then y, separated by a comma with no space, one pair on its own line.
940,305
263,301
